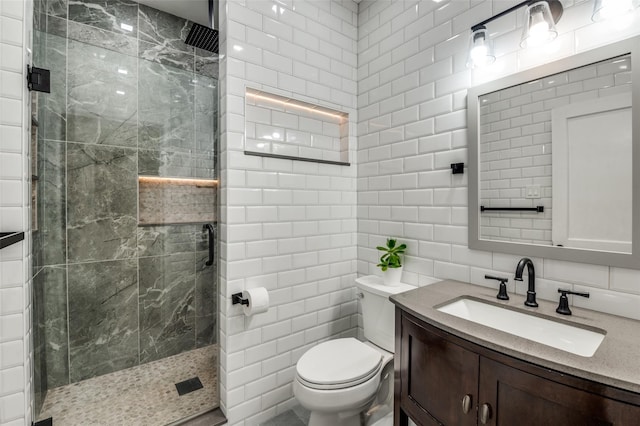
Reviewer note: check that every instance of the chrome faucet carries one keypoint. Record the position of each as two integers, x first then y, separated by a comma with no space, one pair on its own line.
531,291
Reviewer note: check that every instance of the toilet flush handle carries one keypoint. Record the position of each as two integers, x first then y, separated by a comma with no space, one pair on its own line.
360,295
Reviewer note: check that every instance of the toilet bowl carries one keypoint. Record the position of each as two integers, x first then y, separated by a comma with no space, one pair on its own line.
338,379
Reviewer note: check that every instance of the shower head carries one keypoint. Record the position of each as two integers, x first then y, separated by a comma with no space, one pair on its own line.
204,37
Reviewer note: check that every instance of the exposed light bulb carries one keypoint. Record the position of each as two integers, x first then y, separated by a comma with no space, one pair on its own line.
479,52
538,34
539,28
480,49
479,56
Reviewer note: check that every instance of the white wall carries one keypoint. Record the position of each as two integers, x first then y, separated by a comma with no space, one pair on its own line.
15,261
412,125
289,226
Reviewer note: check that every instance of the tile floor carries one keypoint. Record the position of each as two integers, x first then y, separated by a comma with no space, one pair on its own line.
297,416
144,395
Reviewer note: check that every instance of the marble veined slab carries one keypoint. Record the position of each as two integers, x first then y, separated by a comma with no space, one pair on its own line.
103,317
102,202
102,96
114,15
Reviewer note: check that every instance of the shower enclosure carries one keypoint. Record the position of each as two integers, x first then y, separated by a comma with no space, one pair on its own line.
125,203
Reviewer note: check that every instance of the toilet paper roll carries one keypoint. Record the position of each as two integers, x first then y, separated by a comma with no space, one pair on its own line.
258,301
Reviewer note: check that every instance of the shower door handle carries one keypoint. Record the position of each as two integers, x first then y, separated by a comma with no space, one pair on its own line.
209,228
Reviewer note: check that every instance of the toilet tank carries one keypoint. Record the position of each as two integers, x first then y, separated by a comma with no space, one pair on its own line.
378,313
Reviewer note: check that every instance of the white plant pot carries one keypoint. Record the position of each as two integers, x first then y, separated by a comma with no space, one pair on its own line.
392,276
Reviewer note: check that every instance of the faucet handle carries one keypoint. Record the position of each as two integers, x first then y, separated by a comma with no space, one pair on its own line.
563,305
502,292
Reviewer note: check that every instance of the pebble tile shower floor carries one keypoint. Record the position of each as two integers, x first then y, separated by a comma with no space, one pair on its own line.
138,396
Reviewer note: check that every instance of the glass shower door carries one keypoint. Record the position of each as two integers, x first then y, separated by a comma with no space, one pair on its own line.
126,144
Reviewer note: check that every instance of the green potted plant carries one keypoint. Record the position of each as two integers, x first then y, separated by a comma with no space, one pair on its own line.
391,261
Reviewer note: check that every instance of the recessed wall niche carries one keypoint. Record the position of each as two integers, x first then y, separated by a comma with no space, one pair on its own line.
164,201
280,126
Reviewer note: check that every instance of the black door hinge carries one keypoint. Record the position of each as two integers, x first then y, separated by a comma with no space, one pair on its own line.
38,79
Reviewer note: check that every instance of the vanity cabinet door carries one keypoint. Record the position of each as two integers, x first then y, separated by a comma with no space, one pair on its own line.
514,397
439,378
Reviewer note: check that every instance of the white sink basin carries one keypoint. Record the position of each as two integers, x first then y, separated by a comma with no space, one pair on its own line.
576,340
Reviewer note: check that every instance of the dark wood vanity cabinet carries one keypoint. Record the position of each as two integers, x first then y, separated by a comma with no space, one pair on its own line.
444,380
452,373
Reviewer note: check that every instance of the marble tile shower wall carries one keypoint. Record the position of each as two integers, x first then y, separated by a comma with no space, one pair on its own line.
412,86
15,261
286,225
128,98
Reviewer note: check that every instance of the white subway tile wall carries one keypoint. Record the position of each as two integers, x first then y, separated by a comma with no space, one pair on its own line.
398,69
15,261
289,226
411,57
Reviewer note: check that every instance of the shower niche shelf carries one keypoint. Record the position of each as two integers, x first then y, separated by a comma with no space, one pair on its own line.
172,201
279,126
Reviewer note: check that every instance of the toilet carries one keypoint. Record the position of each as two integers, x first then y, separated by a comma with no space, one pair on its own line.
338,379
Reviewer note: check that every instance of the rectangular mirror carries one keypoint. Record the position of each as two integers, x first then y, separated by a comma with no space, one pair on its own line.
554,159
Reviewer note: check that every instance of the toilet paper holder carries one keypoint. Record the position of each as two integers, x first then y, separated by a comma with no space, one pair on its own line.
237,299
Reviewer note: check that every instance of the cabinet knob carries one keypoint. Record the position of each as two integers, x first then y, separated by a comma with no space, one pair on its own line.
485,413
466,403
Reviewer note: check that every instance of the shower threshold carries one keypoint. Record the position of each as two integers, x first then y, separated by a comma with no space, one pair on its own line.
138,396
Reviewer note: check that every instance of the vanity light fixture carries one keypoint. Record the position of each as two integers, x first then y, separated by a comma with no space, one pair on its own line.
607,9
540,19
480,48
540,26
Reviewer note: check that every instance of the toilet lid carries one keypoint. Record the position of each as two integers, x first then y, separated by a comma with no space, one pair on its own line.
338,364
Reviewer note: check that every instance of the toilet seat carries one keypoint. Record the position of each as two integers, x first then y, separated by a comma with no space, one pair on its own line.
338,364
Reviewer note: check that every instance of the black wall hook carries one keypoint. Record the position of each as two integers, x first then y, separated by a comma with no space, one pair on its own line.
237,299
